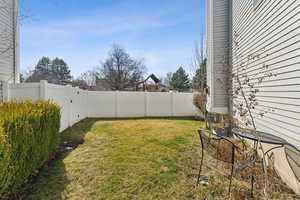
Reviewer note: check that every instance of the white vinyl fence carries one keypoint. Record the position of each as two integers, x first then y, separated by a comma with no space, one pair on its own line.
78,104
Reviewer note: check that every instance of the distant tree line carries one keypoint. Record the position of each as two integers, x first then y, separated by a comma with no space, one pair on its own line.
54,71
119,71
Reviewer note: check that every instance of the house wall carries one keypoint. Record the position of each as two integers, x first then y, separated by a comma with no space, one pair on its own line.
9,41
218,51
78,104
270,32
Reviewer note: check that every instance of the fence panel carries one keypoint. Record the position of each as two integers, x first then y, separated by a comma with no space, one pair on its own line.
102,104
24,91
159,104
77,104
61,96
131,104
183,104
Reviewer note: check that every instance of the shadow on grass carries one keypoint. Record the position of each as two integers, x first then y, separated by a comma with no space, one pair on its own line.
52,180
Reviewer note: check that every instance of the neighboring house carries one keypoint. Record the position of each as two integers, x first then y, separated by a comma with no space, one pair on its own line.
264,36
157,86
145,85
9,41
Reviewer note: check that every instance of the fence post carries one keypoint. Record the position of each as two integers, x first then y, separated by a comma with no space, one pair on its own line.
85,101
88,103
5,91
172,104
70,102
146,102
116,103
43,90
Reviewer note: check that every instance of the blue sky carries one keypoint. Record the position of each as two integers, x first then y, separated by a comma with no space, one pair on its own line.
82,32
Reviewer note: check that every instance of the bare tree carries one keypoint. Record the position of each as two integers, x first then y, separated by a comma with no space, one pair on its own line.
242,89
167,79
89,77
120,70
199,67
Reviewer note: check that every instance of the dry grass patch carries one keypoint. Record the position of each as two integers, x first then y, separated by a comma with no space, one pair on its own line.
123,159
142,159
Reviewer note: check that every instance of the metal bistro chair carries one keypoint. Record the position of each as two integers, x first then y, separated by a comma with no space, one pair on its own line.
215,145
250,156
293,156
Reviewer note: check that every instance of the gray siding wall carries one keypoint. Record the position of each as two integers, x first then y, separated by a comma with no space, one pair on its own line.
271,32
9,41
218,42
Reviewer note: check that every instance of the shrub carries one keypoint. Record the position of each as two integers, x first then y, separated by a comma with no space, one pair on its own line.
199,101
29,133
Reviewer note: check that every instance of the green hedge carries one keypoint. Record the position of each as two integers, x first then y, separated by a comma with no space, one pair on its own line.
29,133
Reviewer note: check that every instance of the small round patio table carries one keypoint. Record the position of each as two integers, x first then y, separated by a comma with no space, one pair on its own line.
264,137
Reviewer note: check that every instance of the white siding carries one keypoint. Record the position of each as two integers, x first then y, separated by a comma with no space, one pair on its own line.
9,41
272,31
218,43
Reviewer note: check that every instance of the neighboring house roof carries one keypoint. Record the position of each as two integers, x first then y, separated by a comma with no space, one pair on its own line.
151,76
157,87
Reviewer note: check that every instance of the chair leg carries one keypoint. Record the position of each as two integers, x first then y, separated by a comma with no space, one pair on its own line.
252,184
232,169
199,175
218,149
253,174
200,169
230,182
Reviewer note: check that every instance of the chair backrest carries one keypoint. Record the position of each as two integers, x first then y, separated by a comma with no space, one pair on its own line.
218,147
293,156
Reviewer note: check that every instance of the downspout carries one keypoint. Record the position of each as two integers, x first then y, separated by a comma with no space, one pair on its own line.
14,39
230,98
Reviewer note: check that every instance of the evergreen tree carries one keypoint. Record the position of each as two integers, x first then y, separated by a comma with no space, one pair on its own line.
180,80
60,70
56,71
43,66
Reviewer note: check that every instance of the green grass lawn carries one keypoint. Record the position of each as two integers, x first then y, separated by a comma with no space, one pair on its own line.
124,159
130,160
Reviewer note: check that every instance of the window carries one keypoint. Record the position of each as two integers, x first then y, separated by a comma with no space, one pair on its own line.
256,2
